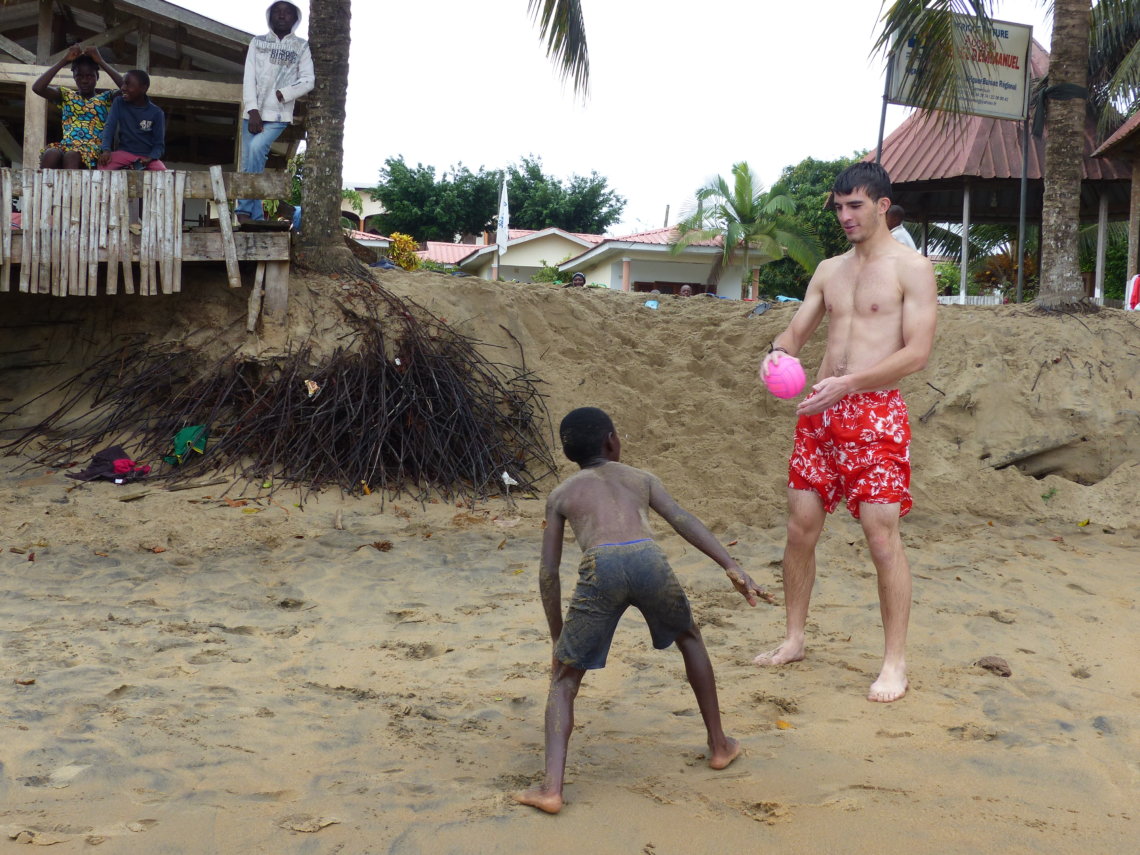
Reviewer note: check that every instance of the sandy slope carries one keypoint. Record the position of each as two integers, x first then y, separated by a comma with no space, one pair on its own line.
183,674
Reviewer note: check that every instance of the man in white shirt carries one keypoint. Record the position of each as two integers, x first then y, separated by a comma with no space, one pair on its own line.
895,216
278,71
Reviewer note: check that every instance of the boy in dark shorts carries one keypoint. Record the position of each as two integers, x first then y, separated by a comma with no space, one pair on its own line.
607,505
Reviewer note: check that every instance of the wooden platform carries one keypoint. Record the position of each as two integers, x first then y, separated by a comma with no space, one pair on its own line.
76,225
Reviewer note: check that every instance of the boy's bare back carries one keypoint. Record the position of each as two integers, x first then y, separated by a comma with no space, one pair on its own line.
608,503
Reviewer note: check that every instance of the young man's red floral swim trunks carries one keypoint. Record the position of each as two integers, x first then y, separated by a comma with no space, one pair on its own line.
859,448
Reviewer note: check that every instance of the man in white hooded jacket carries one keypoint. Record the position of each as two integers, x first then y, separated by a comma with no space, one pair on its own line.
278,71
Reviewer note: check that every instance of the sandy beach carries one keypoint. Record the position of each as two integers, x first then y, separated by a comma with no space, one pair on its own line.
205,671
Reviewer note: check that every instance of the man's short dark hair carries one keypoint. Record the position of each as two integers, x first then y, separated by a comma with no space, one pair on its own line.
84,61
870,177
141,76
583,433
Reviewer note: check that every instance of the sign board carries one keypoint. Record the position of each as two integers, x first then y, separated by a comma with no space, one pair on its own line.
997,68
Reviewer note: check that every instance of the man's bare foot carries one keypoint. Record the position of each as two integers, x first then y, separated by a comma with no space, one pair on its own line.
721,759
543,799
788,651
890,685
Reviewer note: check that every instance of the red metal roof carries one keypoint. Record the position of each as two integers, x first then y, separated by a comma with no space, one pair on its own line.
443,252
924,149
663,237
1125,142
515,234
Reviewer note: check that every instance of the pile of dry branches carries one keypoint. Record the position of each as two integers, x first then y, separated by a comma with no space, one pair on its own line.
404,404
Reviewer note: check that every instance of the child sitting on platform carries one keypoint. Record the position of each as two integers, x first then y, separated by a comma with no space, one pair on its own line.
135,134
84,108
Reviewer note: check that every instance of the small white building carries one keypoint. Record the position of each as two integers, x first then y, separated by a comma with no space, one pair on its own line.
645,262
527,251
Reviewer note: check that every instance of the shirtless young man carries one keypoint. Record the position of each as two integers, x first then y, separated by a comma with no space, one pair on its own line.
607,505
853,439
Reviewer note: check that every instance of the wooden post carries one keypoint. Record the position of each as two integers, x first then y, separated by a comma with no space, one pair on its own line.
255,298
232,269
276,305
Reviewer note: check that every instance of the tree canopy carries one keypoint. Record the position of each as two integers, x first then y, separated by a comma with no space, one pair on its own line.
757,226
460,201
808,185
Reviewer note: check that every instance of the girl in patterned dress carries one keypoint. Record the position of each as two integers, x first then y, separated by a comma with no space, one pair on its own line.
84,109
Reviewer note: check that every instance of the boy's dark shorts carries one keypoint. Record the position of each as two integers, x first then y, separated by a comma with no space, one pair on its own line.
611,578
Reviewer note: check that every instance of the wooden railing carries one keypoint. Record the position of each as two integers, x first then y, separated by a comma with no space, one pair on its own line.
76,223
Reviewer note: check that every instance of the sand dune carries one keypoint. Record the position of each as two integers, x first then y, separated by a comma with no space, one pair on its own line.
184,674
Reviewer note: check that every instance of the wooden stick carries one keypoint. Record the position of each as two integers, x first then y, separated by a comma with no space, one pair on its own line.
113,235
126,247
160,217
78,202
5,228
41,274
98,230
28,207
232,269
146,231
179,201
54,241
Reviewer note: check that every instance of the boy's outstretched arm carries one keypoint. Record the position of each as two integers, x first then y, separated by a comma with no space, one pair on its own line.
549,584
694,531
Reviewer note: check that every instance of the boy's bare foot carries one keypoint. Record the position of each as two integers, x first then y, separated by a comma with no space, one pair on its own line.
720,759
788,651
890,685
542,799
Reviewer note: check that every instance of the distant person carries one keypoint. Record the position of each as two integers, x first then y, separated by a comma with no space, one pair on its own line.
278,71
84,109
607,505
896,214
578,280
686,291
135,134
852,440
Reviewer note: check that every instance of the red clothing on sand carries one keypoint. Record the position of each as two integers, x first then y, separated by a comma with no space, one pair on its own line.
858,448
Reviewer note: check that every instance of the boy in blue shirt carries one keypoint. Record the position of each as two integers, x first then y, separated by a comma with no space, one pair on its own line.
135,134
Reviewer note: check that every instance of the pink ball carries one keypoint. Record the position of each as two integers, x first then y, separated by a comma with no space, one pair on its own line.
785,377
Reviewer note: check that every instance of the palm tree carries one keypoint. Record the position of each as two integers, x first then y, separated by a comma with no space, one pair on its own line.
1069,63
756,226
560,25
322,242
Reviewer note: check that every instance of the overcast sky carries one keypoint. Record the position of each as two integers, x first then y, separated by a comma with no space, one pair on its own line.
679,91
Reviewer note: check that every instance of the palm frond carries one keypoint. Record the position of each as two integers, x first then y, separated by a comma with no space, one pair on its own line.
939,59
562,27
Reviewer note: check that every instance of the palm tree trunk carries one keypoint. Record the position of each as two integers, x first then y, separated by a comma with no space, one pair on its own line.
322,246
1064,153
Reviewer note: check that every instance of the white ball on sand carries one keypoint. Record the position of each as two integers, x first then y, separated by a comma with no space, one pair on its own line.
785,377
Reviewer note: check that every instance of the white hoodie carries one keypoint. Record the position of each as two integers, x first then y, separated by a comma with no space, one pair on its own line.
272,65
